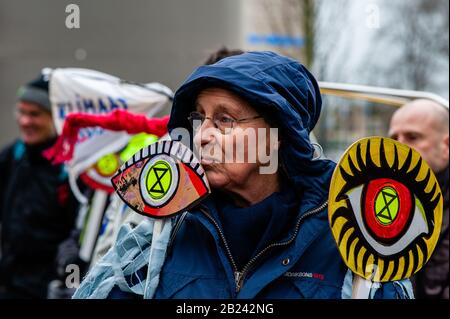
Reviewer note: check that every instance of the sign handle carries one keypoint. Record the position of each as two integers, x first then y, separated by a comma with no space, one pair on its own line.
157,229
361,287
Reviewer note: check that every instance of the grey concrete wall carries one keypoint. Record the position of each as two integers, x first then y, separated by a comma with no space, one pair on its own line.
137,40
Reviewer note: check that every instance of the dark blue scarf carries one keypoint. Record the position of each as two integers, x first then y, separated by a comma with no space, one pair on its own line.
248,230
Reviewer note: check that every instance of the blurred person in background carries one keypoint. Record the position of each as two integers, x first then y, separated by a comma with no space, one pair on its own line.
37,209
423,125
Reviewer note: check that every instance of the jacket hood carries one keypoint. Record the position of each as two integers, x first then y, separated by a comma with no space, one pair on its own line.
275,86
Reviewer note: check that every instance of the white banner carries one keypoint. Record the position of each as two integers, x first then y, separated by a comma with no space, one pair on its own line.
88,91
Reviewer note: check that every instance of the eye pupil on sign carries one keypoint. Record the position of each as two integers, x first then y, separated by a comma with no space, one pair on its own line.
386,205
387,210
159,179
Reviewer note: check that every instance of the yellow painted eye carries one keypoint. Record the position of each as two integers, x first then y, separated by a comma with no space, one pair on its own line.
385,209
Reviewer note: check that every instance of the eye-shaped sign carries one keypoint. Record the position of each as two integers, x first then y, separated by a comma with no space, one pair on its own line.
385,209
98,176
161,180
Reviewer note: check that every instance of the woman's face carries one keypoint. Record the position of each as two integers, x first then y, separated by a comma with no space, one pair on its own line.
230,158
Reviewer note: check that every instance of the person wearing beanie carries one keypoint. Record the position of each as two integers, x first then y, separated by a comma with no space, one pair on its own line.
37,209
34,112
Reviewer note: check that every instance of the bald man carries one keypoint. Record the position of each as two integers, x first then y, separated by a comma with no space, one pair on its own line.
424,126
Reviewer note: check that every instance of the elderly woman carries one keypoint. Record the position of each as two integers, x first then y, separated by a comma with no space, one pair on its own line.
258,235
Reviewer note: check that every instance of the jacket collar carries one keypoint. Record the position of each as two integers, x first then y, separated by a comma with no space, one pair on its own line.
300,236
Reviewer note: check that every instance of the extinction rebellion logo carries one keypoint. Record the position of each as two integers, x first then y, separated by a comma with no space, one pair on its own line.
386,205
160,180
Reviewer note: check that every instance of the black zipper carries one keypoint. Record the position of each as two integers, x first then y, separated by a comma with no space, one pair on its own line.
222,236
239,276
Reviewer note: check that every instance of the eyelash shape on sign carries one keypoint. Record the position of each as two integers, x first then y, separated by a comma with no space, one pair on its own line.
161,180
385,209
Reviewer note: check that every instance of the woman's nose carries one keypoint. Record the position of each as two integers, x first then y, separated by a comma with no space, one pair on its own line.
206,133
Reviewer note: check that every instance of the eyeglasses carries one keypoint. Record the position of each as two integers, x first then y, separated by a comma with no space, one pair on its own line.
222,122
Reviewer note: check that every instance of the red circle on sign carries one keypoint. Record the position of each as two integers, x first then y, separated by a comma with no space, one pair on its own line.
398,225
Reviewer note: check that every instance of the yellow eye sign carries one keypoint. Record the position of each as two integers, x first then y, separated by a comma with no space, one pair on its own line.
159,179
385,209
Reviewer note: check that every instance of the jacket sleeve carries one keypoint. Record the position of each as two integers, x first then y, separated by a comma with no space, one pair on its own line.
401,289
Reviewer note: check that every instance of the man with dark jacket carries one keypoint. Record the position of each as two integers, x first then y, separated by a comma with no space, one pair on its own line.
37,210
423,125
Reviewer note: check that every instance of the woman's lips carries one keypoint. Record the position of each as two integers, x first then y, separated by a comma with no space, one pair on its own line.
208,161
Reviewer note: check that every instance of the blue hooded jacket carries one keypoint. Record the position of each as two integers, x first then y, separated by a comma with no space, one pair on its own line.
305,262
